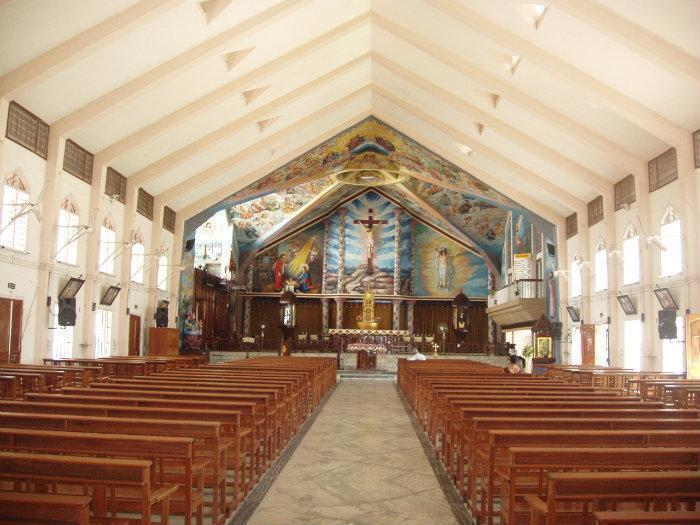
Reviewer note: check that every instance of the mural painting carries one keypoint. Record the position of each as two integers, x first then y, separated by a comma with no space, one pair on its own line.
522,234
443,268
295,262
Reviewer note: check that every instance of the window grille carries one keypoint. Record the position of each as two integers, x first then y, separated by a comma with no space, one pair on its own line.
571,226
663,170
144,204
115,185
78,161
595,211
624,192
27,130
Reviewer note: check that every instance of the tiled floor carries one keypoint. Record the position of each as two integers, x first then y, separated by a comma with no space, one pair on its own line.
359,463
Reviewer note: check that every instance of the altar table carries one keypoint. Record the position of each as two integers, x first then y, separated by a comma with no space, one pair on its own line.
390,340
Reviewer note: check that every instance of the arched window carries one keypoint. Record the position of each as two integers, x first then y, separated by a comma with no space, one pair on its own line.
671,243
108,247
138,259
67,235
601,268
575,277
630,256
14,221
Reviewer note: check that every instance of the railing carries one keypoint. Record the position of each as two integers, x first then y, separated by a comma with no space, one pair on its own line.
520,289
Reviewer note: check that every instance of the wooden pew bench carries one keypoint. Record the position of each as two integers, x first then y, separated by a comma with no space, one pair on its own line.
49,509
116,485
645,518
491,451
601,490
527,469
172,457
9,387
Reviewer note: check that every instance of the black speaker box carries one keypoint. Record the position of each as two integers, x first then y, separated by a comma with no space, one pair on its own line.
667,324
550,250
556,330
161,317
66,311
189,244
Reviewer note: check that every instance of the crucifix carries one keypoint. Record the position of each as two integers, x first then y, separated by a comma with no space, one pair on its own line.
368,225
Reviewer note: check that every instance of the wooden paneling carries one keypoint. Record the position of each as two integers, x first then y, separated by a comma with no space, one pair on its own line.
427,315
134,335
266,311
163,341
588,344
10,330
211,301
309,313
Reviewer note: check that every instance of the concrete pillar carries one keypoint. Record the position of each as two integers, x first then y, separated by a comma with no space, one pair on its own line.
246,316
125,266
324,272
409,315
339,303
341,249
325,314
397,251
176,272
396,314
49,211
154,293
92,250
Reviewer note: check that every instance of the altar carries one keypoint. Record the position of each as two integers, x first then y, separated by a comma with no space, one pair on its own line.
350,339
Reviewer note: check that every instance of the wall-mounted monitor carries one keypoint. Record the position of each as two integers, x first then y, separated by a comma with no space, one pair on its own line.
573,313
627,304
110,295
666,299
71,289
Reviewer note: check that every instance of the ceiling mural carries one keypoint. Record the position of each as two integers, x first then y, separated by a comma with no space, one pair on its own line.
369,154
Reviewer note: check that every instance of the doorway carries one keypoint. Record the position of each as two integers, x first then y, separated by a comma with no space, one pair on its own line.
10,330
134,335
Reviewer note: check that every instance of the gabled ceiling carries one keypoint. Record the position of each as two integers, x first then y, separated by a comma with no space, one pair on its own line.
193,100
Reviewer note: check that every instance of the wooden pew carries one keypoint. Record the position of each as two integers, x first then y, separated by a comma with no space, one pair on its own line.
9,387
645,518
527,468
173,457
47,509
117,485
492,447
605,489
211,443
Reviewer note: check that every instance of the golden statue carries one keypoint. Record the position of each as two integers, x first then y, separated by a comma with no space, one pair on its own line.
368,322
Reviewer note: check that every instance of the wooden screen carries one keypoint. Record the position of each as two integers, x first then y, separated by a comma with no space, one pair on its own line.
144,204
27,130
169,219
663,169
595,210
78,161
427,315
211,301
115,185
571,225
624,192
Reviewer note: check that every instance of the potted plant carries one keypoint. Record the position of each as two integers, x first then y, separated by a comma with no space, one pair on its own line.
528,353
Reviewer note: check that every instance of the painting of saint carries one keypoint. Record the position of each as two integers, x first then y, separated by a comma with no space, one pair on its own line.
279,269
305,285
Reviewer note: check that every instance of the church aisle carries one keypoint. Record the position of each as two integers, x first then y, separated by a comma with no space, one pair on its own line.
360,463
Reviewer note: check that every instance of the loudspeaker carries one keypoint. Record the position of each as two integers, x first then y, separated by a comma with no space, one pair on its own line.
550,250
189,244
161,317
66,311
667,324
556,330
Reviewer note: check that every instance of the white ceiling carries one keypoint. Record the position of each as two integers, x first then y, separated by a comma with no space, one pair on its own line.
602,87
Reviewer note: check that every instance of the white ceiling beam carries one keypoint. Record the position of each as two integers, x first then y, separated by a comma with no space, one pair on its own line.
234,88
647,119
645,43
554,191
193,148
582,174
616,153
205,176
112,101
216,196
509,190
75,49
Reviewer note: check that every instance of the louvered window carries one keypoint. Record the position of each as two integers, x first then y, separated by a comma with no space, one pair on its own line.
663,170
28,130
595,211
696,147
115,185
571,226
169,219
144,204
624,192
78,161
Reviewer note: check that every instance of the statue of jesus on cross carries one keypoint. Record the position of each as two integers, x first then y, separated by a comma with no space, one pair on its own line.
368,225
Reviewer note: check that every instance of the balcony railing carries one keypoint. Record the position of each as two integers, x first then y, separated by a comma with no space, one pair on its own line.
520,289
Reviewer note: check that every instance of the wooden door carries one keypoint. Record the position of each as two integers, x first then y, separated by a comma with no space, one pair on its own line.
588,344
10,330
134,335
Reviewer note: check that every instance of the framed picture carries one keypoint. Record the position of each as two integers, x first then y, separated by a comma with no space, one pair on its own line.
71,289
666,299
573,313
544,347
627,304
109,296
